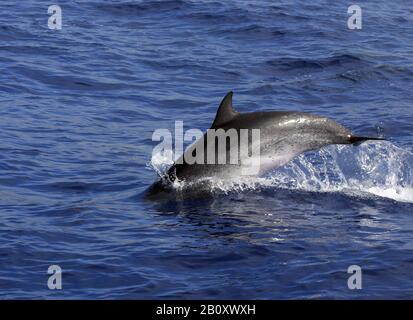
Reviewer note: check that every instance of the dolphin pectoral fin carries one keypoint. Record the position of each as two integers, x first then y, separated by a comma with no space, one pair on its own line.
226,111
359,140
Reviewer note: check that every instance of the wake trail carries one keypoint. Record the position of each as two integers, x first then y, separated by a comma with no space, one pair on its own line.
370,169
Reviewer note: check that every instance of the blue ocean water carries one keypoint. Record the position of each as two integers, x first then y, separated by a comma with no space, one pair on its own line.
78,107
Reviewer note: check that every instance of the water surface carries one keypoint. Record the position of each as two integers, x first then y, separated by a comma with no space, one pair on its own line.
78,108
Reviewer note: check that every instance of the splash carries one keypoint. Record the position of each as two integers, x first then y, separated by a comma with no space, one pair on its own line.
378,168
161,162
371,169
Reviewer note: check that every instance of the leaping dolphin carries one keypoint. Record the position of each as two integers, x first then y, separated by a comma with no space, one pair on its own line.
283,135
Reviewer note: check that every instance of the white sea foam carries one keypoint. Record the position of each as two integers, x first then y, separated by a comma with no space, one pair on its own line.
373,168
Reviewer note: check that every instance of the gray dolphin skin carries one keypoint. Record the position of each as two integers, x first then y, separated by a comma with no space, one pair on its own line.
283,135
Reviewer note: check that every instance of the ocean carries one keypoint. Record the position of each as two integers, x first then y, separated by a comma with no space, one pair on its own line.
79,105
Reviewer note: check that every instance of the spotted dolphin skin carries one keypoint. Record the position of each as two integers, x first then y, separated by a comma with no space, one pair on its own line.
283,135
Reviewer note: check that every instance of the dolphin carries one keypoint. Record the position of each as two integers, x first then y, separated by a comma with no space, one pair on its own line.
283,135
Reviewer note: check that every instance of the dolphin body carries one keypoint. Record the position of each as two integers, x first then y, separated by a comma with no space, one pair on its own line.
283,135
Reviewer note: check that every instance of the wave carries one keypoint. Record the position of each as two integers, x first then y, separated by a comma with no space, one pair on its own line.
373,169
134,8
288,64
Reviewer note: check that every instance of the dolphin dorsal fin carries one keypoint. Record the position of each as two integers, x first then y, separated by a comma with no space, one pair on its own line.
225,112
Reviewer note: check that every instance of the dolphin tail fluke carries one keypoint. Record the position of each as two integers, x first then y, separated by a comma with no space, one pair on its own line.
358,140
